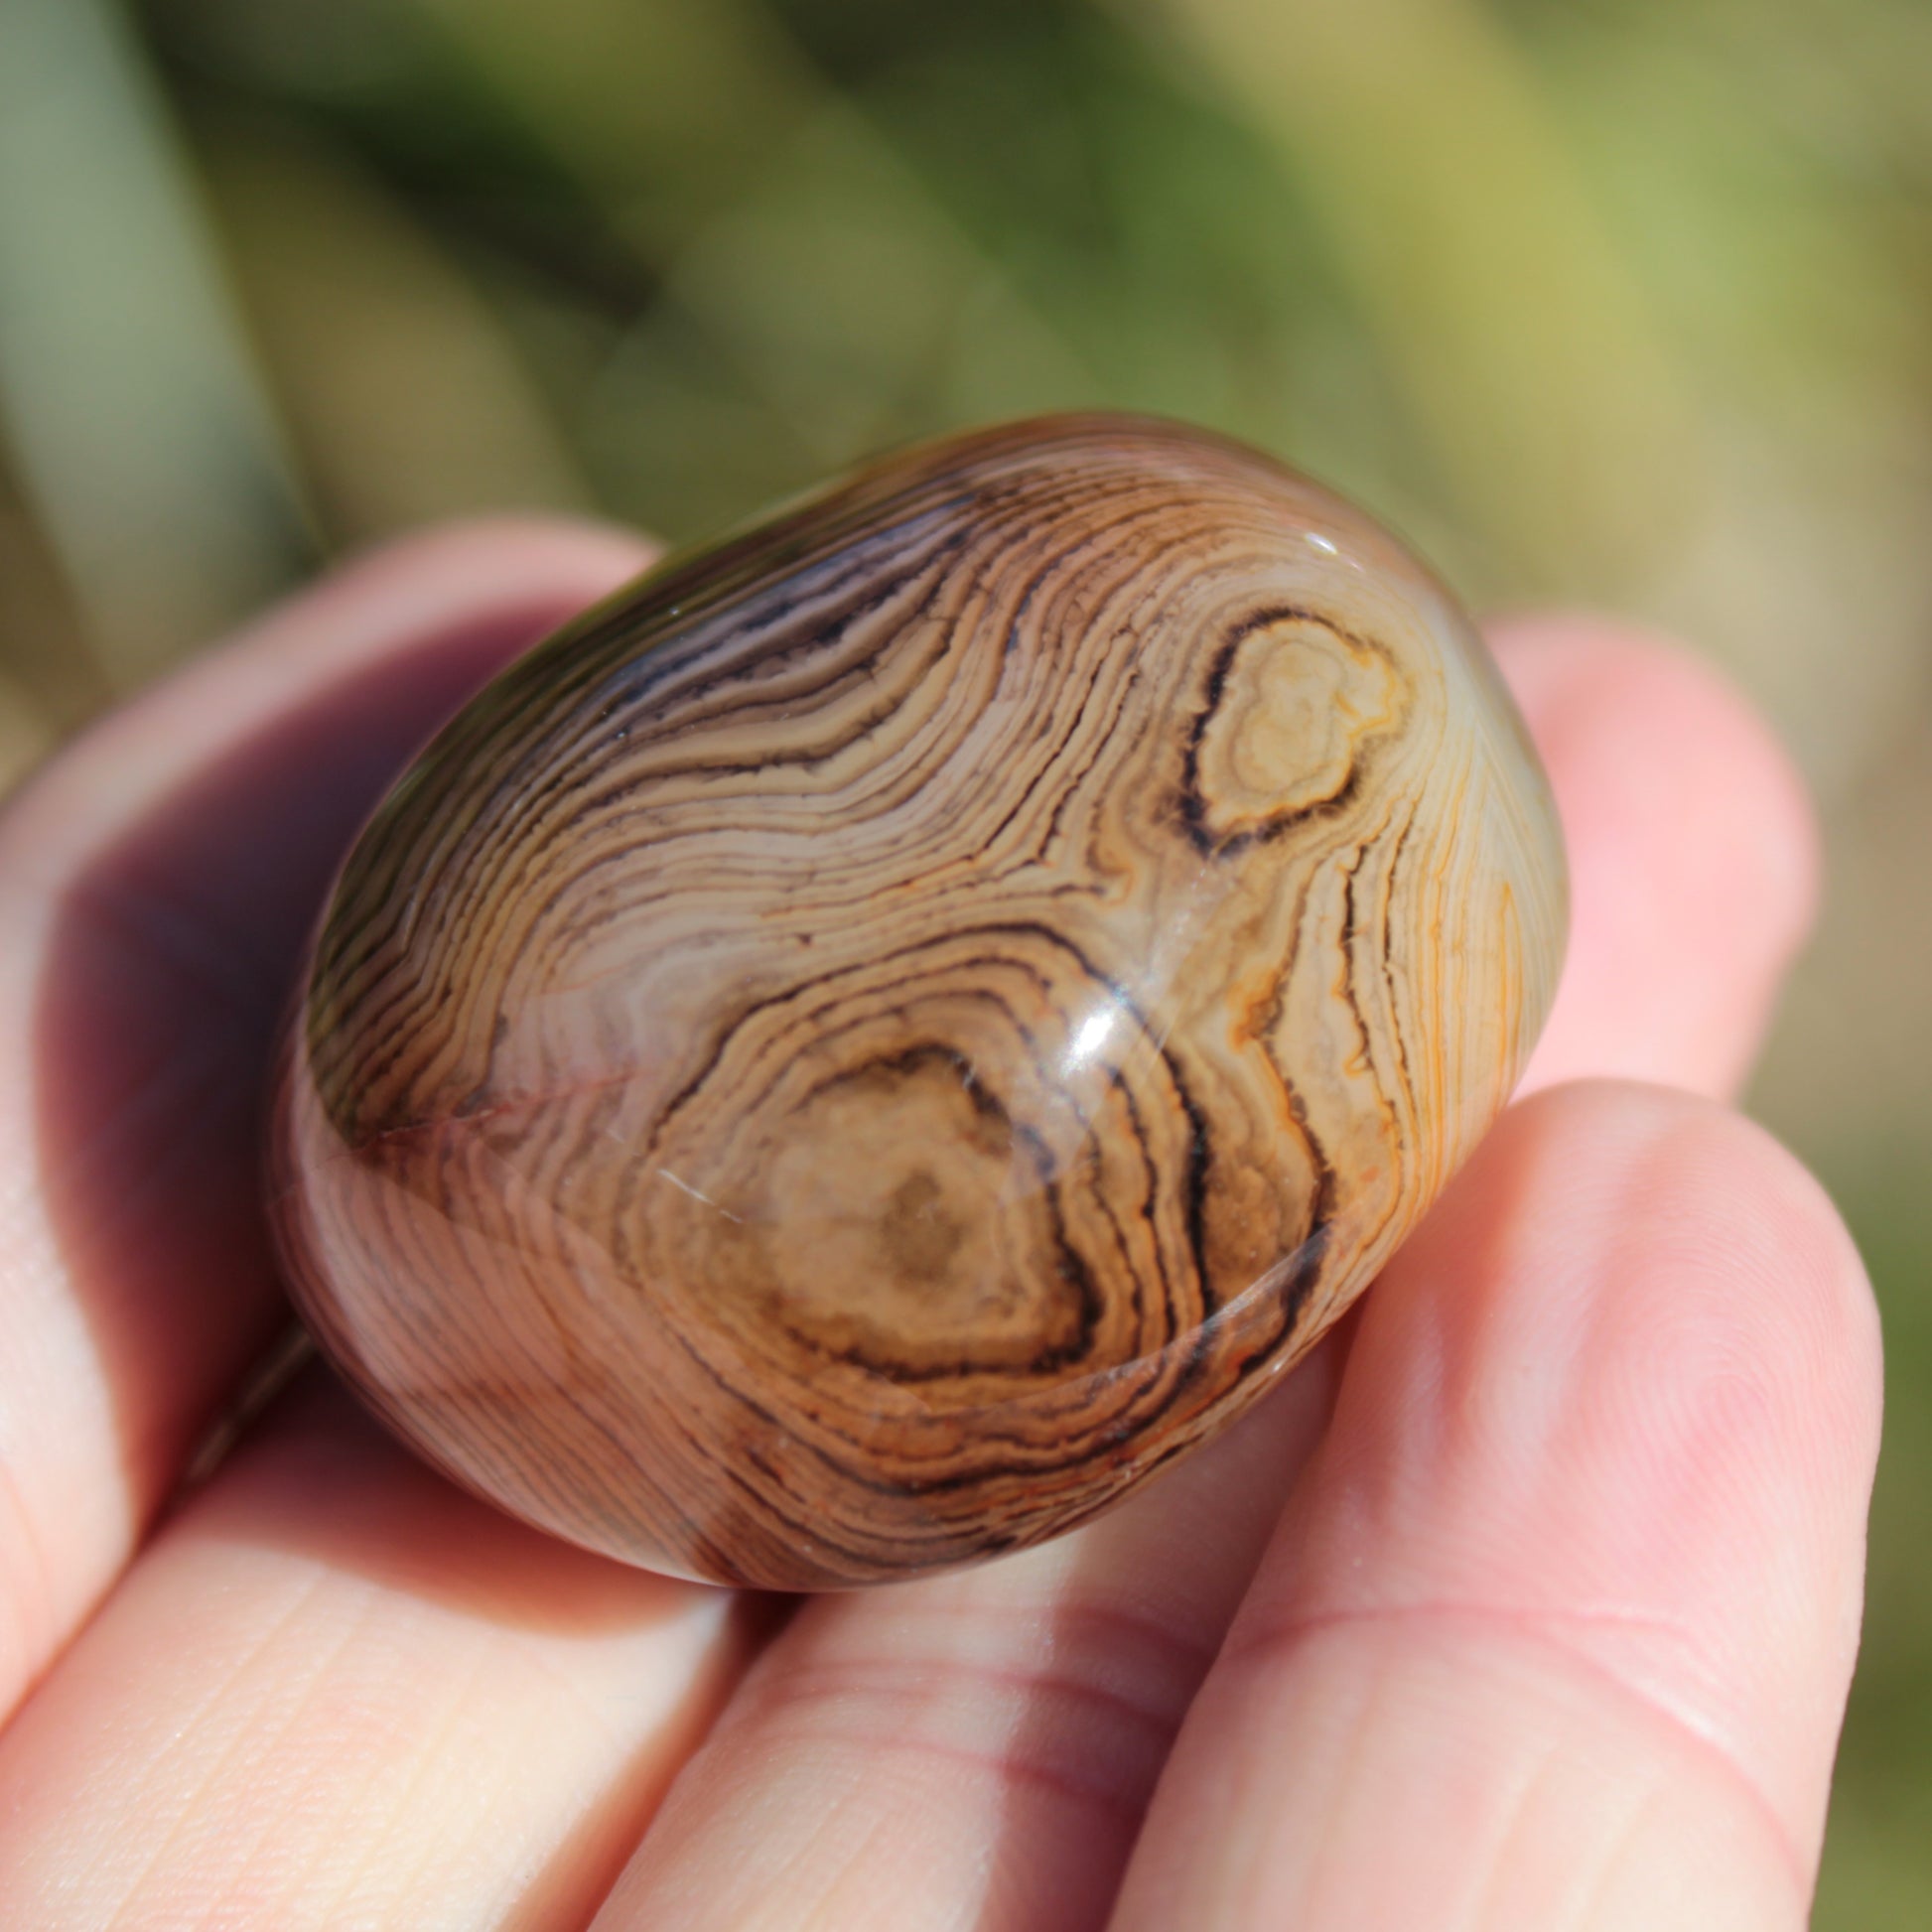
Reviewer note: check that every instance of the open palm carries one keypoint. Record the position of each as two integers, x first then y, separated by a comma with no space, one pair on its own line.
1530,1601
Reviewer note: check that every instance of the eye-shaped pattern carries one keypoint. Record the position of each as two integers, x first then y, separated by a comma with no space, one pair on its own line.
862,1048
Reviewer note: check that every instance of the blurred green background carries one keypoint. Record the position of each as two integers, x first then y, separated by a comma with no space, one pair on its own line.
1624,303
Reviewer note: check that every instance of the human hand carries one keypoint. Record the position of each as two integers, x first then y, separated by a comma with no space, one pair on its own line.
1530,1600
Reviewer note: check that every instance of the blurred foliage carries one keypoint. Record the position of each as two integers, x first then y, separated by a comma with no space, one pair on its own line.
1877,1874
1621,302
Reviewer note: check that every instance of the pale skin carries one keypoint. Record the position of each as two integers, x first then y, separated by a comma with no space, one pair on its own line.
1530,1601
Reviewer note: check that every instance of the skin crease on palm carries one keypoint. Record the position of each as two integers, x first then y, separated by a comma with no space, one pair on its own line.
1530,1601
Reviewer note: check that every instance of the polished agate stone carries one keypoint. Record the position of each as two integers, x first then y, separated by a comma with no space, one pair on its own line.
860,1050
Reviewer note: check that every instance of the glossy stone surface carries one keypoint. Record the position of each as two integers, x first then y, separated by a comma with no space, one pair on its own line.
862,1050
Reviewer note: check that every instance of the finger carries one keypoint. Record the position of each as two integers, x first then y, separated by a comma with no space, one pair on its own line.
975,1749
1694,856
333,1691
1559,1626
155,880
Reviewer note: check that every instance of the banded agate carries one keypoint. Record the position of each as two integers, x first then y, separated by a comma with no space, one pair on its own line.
864,1048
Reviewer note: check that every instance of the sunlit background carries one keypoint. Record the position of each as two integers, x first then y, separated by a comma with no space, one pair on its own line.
1625,303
